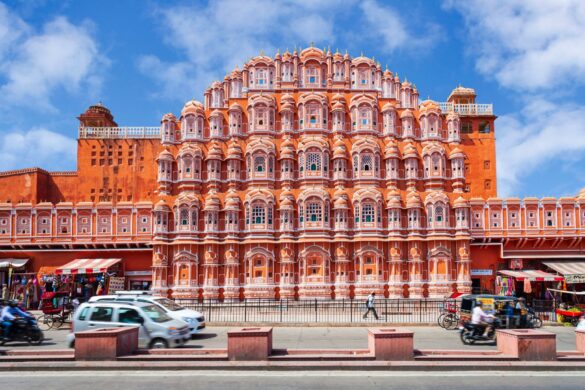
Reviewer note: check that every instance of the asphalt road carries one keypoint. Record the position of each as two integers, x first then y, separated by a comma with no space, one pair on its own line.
325,337
257,380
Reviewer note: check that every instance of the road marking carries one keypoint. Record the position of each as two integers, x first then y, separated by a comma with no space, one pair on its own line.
361,374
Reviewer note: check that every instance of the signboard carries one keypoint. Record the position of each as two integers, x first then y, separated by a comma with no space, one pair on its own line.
516,264
138,273
482,272
487,303
579,278
116,284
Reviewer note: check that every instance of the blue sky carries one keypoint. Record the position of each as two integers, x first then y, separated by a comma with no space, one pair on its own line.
146,58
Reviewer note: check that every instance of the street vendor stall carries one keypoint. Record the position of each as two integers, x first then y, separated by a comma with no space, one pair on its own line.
569,312
82,278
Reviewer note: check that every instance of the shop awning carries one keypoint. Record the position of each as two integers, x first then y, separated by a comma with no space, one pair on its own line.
86,266
532,275
574,271
14,263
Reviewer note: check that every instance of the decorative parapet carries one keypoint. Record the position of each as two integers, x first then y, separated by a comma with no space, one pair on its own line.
143,132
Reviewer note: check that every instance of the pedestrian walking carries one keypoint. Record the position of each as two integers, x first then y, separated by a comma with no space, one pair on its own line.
370,306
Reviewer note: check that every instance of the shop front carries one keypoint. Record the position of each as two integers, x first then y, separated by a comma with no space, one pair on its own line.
16,282
531,284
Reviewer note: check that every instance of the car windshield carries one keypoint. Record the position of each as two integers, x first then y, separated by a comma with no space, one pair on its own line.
156,314
171,305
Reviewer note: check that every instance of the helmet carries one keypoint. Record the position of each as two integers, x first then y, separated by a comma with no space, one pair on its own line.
479,303
13,303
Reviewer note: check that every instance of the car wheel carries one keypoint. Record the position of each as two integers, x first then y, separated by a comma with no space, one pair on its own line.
158,344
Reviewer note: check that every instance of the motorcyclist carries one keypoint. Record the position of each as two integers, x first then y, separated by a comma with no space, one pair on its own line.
481,319
9,314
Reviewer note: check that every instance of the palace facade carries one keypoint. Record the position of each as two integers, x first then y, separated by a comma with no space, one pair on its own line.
306,175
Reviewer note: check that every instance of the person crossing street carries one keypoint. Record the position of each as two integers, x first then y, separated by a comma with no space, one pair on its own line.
370,306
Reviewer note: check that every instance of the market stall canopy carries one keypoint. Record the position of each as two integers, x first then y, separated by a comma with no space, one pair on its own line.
86,266
14,263
574,272
532,275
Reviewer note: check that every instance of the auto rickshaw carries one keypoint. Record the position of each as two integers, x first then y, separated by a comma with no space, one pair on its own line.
496,305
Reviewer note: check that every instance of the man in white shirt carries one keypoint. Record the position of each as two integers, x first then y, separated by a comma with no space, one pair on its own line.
479,317
370,306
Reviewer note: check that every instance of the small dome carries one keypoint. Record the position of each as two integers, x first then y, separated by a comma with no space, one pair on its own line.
338,98
340,203
216,84
192,107
287,98
387,73
214,152
169,117
388,107
165,155
234,150
413,200
339,149
406,84
391,150
581,194
406,114
456,152
287,203
460,202
232,200
161,206
393,199
212,202
338,106
409,151
235,107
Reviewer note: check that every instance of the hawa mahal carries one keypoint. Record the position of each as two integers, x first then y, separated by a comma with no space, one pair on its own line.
307,175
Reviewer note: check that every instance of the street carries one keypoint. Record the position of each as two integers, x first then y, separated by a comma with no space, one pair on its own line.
244,380
324,337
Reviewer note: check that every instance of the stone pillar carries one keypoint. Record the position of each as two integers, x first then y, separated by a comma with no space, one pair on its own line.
527,344
580,335
250,343
391,344
106,343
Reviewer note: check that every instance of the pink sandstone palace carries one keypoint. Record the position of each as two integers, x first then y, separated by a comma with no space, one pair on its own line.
308,175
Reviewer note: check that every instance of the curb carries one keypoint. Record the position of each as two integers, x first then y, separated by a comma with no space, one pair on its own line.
294,366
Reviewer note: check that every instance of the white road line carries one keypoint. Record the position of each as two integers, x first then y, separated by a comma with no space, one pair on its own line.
361,374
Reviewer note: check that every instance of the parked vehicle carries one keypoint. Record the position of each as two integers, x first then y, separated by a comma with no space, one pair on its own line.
156,328
23,329
194,319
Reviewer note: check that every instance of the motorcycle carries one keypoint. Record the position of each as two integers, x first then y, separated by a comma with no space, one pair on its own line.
533,320
23,329
471,333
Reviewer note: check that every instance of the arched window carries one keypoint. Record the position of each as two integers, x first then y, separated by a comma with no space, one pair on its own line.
259,164
368,213
367,163
313,161
184,217
314,212
439,215
258,215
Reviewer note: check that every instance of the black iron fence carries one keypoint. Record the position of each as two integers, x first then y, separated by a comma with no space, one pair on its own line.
396,311
318,311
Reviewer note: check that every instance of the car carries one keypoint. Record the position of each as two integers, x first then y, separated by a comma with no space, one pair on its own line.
194,319
156,328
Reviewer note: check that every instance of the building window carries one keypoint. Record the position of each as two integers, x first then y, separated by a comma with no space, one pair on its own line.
486,164
484,128
488,184
258,215
466,128
314,161
368,213
314,212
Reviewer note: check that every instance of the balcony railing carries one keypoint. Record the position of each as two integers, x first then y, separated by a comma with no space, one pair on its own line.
119,132
467,109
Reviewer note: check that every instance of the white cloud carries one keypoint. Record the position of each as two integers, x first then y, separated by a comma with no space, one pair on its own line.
527,44
62,56
213,38
37,147
387,24
542,133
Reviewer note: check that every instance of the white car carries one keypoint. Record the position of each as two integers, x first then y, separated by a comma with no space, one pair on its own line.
155,328
194,319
